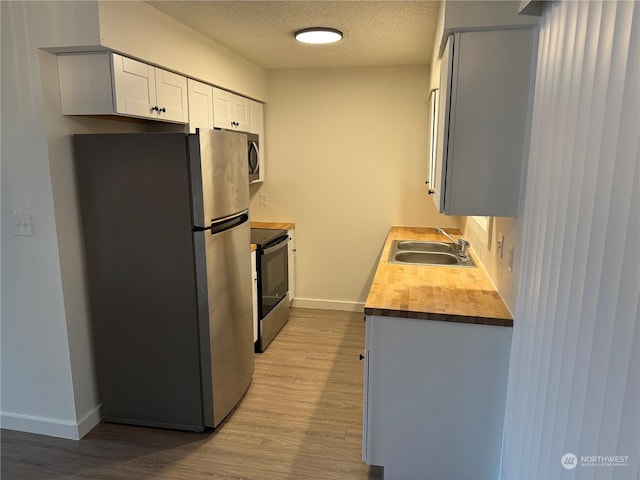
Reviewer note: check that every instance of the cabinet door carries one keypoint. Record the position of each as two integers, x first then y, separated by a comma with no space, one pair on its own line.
222,108
230,111
433,138
171,96
240,112
200,105
442,126
430,414
256,118
254,295
134,86
292,264
366,395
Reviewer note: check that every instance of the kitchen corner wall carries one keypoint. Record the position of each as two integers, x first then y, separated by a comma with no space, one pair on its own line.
484,245
38,390
346,158
48,382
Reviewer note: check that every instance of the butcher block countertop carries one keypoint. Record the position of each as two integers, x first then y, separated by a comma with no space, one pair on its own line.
444,293
281,225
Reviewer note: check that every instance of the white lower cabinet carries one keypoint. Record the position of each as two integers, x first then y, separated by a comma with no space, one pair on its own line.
434,398
254,294
292,264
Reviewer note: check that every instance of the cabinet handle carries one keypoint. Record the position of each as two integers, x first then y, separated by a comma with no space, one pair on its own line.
154,108
361,357
426,182
162,110
431,192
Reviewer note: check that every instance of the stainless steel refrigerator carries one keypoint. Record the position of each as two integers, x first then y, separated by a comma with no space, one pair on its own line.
167,244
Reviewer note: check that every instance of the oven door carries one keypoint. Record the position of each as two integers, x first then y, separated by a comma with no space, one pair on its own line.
273,275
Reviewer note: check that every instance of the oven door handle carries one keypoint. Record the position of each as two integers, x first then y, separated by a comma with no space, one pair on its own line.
277,246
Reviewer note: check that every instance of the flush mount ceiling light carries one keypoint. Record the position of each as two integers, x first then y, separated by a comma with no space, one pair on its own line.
318,35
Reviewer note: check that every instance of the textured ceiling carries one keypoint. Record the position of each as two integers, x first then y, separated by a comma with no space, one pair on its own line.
376,33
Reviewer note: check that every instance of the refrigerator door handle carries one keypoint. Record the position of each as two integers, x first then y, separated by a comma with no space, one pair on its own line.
228,223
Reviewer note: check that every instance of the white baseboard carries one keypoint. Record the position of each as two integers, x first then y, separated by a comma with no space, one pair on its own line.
328,304
49,426
89,421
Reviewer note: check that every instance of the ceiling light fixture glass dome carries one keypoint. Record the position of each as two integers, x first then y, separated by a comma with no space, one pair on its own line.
318,35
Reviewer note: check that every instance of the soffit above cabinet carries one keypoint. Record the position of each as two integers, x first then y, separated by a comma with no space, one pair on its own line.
468,16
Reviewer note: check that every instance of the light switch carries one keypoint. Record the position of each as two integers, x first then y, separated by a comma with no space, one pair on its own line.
22,225
263,199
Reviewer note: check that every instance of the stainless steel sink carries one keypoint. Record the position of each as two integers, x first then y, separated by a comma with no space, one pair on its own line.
427,253
420,246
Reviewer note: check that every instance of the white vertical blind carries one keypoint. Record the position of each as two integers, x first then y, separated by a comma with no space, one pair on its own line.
574,380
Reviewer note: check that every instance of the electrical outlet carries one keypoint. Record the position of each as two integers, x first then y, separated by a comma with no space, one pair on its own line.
511,252
22,225
263,199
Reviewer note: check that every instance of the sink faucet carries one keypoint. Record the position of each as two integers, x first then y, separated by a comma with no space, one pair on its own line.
463,244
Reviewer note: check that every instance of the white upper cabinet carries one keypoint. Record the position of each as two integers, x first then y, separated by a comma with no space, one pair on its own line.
200,105
134,87
171,96
230,111
433,181
256,118
483,112
222,108
108,83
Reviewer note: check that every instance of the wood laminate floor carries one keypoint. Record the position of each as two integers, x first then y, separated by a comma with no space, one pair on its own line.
300,419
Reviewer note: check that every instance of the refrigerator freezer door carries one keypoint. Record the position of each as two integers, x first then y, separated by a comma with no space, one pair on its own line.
226,325
220,174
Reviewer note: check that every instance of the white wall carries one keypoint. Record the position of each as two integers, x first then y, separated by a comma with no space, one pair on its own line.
574,382
37,386
484,245
346,158
48,382
139,30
